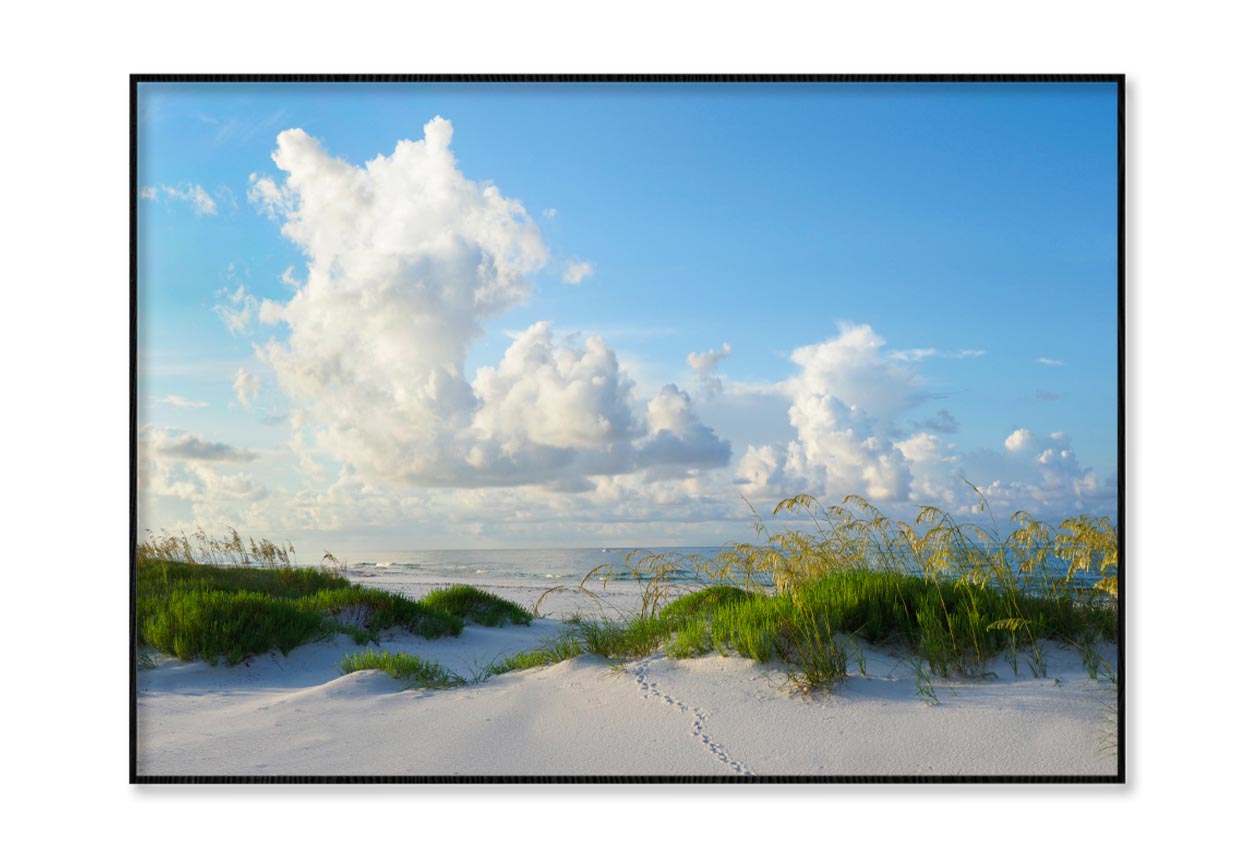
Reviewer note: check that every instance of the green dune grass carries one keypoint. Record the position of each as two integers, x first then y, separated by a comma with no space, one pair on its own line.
954,596
467,602
259,602
402,666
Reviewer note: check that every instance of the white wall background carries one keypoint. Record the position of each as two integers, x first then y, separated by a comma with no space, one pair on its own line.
65,195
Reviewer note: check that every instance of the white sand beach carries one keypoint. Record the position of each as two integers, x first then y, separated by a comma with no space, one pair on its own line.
297,715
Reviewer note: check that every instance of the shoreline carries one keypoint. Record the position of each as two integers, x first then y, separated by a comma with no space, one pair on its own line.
614,600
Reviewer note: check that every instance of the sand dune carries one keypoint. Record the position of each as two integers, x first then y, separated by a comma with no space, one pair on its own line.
296,715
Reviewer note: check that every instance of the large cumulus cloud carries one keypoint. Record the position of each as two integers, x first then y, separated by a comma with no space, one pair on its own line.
845,398
406,260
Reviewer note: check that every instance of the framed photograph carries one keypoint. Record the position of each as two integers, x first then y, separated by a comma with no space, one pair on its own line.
627,429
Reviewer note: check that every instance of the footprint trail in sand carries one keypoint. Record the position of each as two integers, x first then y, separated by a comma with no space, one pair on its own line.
649,689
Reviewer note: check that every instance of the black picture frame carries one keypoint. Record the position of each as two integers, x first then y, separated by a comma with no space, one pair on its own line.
1119,777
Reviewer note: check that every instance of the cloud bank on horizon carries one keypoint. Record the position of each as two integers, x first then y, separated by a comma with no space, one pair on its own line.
367,364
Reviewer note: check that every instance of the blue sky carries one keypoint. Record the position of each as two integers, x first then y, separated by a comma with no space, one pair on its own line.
916,285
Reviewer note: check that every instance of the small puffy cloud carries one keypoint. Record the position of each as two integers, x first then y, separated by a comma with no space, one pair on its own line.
706,366
1055,446
550,212
247,386
1049,361
670,410
1023,441
576,271
148,193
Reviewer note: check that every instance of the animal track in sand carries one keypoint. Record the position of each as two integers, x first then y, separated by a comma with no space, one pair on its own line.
649,689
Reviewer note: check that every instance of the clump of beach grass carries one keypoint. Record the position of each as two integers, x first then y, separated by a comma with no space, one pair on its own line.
213,624
404,667
564,646
375,610
204,549
485,608
251,599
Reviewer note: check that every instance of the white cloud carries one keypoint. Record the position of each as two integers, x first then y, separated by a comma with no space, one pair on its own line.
247,386
706,366
192,481
555,397
846,399
168,445
851,367
181,402
299,445
773,472
269,312
269,198
925,447
844,403
406,259
912,354
194,194
924,354
239,309
188,467
550,212
1018,440
679,444
576,271
1042,474
1049,361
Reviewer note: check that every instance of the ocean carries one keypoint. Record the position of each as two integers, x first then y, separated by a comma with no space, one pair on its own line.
544,565
559,565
